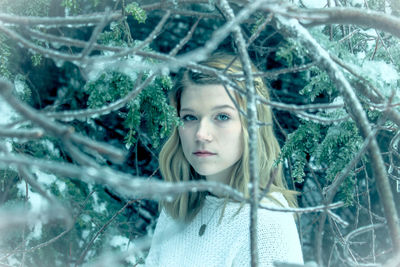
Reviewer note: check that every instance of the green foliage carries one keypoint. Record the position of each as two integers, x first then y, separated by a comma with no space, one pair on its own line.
329,148
25,7
115,36
136,11
338,147
291,53
318,84
74,7
260,19
89,204
22,89
158,117
300,145
36,59
5,53
149,112
71,5
8,178
109,87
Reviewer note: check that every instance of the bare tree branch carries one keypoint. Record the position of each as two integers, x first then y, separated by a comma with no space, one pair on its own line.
56,129
251,128
347,15
73,21
293,29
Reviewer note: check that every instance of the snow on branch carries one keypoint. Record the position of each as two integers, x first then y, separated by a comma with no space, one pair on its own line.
55,129
348,16
140,187
292,28
73,21
93,58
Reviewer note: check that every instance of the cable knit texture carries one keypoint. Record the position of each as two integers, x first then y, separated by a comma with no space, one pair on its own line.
226,243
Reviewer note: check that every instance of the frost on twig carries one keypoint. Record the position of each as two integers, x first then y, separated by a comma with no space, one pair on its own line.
95,161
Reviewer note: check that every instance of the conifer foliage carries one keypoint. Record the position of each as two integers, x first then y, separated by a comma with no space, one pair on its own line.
84,110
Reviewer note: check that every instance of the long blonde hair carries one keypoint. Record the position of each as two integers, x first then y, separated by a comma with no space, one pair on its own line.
174,166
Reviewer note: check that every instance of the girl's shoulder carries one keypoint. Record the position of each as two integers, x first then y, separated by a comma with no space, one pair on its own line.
273,211
275,199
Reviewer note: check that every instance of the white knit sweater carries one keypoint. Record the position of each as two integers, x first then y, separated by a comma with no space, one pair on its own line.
227,243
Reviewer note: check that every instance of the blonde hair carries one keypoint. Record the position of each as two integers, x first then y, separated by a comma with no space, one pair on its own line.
175,168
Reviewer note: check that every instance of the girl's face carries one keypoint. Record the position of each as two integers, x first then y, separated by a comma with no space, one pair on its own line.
211,136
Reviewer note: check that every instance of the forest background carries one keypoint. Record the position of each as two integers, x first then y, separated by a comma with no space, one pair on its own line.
83,87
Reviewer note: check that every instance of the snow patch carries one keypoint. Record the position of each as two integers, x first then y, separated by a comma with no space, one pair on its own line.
51,148
98,207
12,261
360,55
7,112
85,218
49,179
356,2
61,186
44,178
37,204
85,234
36,201
316,3
19,86
119,241
36,231
383,73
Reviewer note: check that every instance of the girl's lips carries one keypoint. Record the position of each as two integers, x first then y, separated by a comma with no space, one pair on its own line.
203,153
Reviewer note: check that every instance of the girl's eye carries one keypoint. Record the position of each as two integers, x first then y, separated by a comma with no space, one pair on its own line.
188,118
222,117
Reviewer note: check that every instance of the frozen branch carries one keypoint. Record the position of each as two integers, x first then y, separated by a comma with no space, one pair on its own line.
21,216
347,15
293,29
333,188
252,121
319,119
55,129
352,235
134,50
73,21
273,74
46,52
21,133
373,95
90,244
186,39
57,237
95,34
140,187
89,113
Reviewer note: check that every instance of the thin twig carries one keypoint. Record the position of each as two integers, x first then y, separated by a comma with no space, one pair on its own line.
95,34
186,39
72,21
46,52
55,129
251,128
140,187
88,113
345,15
353,234
89,245
21,133
315,51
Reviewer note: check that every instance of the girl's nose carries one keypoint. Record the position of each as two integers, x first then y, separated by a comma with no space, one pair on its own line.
203,132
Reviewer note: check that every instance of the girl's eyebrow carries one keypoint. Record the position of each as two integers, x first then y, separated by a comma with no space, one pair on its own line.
214,108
